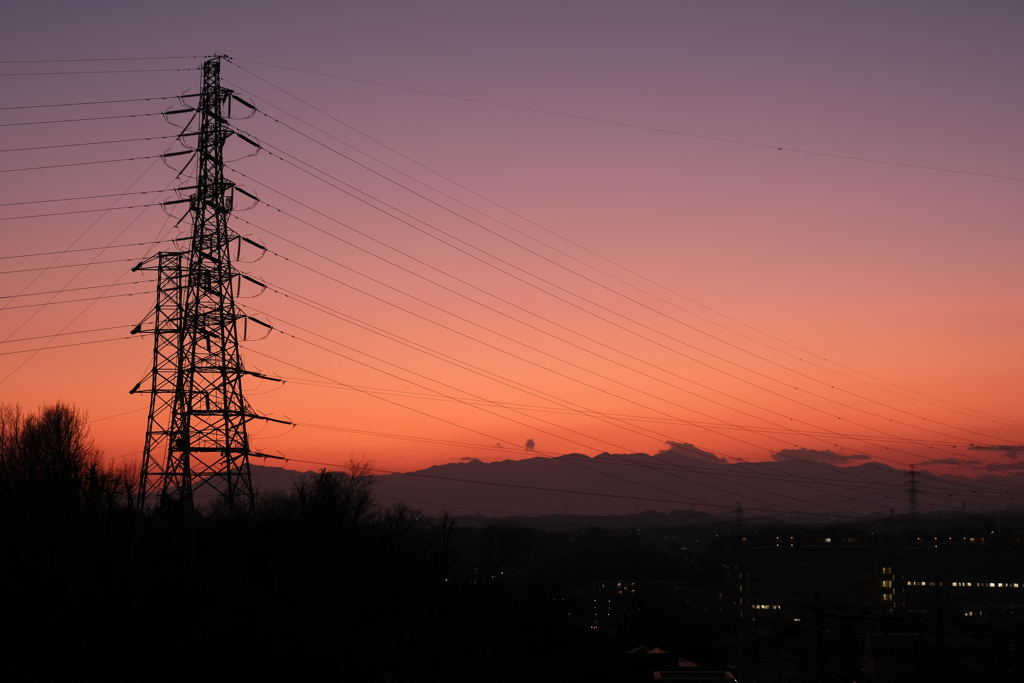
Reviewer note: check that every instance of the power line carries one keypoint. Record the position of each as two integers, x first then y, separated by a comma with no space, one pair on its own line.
616,416
465,365
73,251
653,129
436,381
893,435
75,199
879,457
816,482
547,291
757,341
110,417
918,397
80,163
322,255
83,73
457,399
488,375
406,437
72,301
84,118
86,144
574,409
64,334
562,266
79,211
68,265
98,59
424,377
63,346
434,322
893,488
878,402
137,207
83,104
76,289
549,285
414,409
86,308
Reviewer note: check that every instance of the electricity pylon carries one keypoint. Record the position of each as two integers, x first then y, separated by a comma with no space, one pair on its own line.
912,492
196,436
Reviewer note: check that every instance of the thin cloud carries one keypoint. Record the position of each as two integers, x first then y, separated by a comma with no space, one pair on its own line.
951,461
1011,452
806,455
1002,467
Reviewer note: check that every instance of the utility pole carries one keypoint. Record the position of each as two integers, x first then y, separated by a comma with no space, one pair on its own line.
196,436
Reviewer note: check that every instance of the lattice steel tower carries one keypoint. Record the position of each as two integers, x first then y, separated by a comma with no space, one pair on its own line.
196,437
912,491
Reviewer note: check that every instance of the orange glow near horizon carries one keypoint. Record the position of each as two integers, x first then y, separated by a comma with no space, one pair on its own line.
587,286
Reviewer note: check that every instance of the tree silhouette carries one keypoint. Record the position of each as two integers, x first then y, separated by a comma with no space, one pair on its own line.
448,555
51,471
335,498
500,543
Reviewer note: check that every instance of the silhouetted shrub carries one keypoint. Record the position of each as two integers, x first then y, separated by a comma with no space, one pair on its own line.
51,471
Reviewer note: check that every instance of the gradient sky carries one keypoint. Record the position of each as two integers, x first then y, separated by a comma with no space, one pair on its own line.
804,233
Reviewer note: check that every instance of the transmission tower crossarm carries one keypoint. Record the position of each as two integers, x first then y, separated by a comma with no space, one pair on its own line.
271,419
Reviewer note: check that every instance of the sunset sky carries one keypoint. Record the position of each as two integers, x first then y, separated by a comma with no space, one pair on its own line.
598,226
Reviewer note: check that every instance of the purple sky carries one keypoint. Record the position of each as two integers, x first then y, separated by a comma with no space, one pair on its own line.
777,163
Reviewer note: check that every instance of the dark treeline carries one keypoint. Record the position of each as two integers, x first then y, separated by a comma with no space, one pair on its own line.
327,582
52,473
321,583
